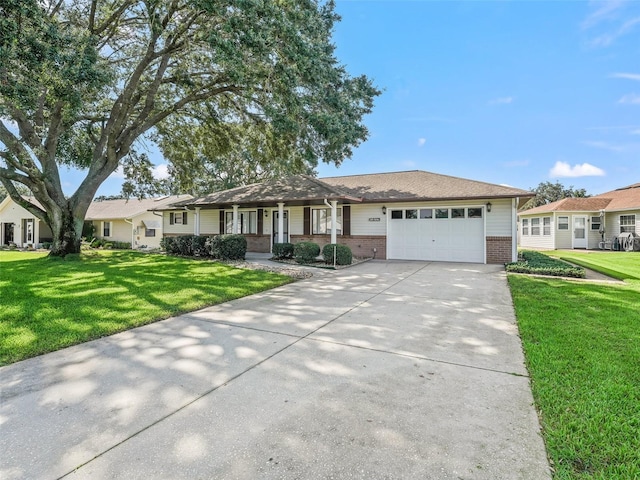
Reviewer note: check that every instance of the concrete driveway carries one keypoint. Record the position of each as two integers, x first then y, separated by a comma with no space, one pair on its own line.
386,370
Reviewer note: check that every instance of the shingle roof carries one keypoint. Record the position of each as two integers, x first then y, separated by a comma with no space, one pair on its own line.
114,209
420,185
381,187
590,204
625,198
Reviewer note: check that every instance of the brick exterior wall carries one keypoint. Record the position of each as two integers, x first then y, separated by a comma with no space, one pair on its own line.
499,250
258,243
360,245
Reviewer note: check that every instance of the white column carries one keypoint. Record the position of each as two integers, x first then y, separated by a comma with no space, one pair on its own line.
234,229
196,222
280,222
514,233
334,221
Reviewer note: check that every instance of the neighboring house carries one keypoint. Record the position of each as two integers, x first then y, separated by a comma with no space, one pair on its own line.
581,222
412,215
131,220
20,227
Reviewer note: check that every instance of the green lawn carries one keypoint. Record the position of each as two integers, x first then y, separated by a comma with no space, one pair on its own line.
621,265
582,347
48,304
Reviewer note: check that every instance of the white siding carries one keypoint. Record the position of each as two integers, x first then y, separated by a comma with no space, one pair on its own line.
360,224
14,213
139,233
499,219
541,241
296,220
178,229
209,222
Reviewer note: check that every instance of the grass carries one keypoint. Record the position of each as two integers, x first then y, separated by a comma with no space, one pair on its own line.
620,265
49,304
582,347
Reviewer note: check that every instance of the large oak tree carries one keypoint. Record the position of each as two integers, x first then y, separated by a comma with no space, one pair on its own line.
83,82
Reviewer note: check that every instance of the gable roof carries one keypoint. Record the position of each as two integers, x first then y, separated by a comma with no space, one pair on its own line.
625,198
128,208
380,187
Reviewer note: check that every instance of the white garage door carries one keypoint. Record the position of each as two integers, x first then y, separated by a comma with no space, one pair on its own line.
436,234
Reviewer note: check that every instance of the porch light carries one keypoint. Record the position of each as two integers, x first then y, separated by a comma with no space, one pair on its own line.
266,212
384,210
488,206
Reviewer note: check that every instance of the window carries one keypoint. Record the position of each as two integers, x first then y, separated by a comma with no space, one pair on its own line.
525,226
247,222
442,213
474,213
396,214
426,213
457,213
546,225
106,229
178,218
149,232
535,226
322,222
411,214
563,223
596,223
627,223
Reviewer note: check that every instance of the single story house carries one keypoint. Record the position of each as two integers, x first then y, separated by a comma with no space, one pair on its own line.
114,220
130,220
20,227
583,223
412,215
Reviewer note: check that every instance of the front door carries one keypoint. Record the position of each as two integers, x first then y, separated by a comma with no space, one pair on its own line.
579,231
8,233
285,223
27,228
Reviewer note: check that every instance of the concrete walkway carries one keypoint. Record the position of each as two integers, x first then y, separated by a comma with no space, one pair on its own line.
387,370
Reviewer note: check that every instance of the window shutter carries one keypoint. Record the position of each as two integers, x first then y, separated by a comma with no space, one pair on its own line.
184,218
307,221
222,224
346,220
260,218
171,218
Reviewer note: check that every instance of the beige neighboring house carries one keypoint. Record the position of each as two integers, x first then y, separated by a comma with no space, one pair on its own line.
20,227
130,220
599,222
413,215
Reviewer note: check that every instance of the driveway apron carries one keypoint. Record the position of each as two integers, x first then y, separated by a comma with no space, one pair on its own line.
386,370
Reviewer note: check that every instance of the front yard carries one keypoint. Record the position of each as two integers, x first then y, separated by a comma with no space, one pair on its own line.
48,304
582,347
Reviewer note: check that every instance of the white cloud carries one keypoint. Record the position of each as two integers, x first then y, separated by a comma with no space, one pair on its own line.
604,12
421,141
160,172
563,169
607,39
605,146
628,76
630,99
501,101
119,173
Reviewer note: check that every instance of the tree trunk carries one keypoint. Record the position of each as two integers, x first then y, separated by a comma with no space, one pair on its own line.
67,233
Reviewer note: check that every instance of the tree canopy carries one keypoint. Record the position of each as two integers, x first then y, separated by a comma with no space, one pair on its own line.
547,192
220,85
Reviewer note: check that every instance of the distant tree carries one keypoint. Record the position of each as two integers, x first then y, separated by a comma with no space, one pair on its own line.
84,82
21,189
547,192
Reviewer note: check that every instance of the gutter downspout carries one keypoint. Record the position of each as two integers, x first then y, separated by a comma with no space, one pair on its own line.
514,227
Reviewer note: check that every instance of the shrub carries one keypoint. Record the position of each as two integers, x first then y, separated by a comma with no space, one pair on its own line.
121,245
169,245
184,245
342,252
199,246
540,264
46,245
282,250
231,247
305,252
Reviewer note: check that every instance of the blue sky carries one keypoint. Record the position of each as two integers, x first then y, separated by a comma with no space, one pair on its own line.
507,92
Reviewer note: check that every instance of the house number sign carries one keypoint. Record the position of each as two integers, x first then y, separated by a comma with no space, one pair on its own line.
374,219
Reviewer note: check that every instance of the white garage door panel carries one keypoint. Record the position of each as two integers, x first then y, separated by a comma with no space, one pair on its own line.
436,239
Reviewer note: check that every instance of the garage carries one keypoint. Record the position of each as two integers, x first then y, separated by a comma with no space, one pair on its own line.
447,234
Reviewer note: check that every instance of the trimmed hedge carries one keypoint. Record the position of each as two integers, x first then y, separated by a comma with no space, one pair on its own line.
343,254
282,250
540,264
306,252
222,247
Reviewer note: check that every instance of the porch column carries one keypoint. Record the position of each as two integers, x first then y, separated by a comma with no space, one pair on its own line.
334,221
514,228
234,229
196,221
280,222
